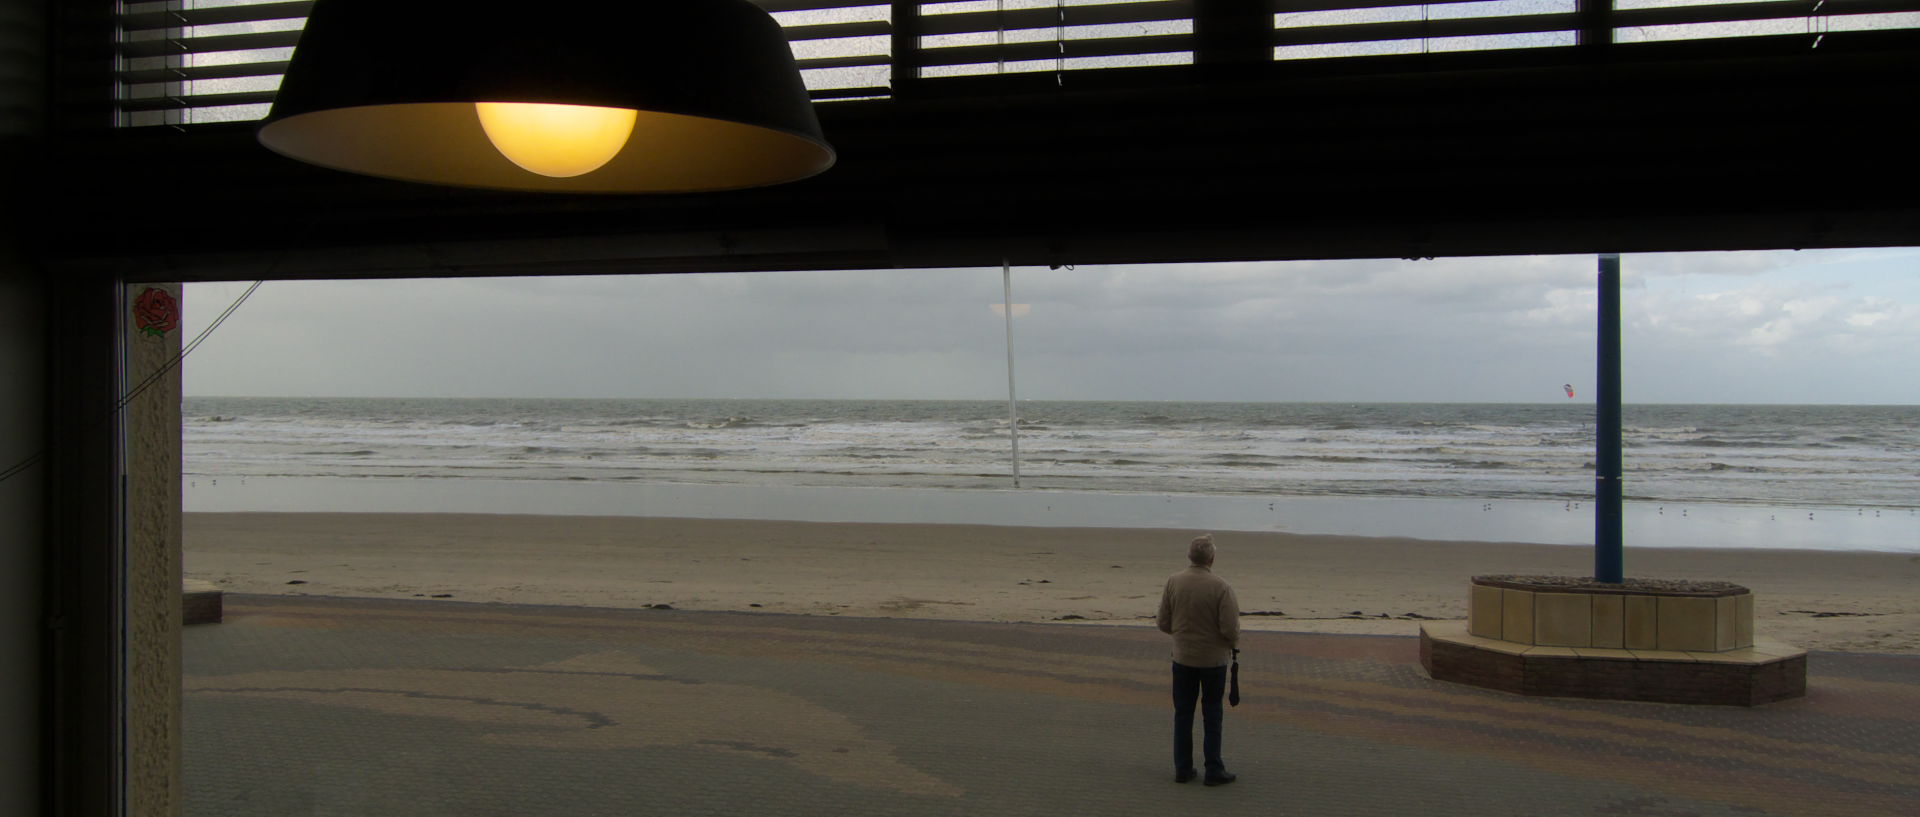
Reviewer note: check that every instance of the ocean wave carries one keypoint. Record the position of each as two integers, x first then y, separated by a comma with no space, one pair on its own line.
1478,465
730,422
1334,459
1412,450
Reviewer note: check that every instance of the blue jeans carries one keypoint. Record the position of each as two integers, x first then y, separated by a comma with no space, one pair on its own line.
1208,685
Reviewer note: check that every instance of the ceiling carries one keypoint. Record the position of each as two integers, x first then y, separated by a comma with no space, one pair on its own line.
1704,145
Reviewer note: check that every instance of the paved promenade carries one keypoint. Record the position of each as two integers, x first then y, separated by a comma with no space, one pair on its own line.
312,706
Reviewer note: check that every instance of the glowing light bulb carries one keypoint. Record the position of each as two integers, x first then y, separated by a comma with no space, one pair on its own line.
556,140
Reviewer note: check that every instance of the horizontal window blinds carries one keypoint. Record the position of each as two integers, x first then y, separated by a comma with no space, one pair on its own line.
183,62
192,61
1644,21
1309,29
1019,36
1312,29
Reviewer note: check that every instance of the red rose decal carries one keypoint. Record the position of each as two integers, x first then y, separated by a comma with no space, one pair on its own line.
156,312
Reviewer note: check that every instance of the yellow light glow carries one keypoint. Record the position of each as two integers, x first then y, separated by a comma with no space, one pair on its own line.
556,140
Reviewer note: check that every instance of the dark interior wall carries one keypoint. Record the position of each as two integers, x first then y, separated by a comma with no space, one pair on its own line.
22,529
1711,145
22,401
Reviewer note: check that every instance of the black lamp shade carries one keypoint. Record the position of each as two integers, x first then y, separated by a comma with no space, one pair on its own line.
387,88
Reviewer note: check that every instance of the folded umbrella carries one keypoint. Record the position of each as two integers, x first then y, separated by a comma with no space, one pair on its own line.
1233,686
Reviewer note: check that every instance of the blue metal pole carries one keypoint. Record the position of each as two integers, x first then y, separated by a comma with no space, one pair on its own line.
1607,557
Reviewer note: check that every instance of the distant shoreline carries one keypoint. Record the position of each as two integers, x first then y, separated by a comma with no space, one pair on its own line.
1821,600
1537,521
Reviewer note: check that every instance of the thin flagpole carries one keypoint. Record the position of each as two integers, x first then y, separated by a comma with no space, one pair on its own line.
1013,406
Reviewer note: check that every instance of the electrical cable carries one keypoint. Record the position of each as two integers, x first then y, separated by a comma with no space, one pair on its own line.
150,380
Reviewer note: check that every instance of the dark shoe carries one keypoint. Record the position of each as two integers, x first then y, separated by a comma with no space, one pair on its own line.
1184,775
1221,779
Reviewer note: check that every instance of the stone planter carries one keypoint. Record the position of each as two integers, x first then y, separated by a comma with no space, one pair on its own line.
1637,614
1641,640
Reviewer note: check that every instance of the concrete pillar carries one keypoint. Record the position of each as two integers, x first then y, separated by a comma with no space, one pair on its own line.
154,614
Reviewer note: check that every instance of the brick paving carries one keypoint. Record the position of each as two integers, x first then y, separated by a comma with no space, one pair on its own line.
317,706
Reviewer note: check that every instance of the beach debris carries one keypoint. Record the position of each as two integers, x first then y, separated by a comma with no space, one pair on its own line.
659,607
1263,612
1827,613
1071,617
1044,581
297,581
442,595
1355,613
1418,616
754,605
1112,565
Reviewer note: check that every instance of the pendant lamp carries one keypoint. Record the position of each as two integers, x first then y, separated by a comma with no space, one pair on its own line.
587,96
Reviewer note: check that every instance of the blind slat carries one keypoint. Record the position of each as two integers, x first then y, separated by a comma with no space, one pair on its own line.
826,31
245,69
1423,29
980,21
177,18
849,93
844,62
162,103
1050,49
167,47
1298,6
776,6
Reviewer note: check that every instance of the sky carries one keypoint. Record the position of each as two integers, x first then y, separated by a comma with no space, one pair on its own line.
1815,326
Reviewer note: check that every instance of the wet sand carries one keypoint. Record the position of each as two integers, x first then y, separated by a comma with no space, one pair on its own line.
1821,600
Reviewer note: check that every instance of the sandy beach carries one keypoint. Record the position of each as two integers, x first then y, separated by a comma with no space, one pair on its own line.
1820,600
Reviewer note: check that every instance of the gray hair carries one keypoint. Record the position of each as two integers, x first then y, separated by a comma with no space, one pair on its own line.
1200,552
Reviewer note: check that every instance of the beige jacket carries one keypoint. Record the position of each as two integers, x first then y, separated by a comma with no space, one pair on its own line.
1200,611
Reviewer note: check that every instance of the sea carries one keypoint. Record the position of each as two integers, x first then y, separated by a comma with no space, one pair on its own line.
1789,476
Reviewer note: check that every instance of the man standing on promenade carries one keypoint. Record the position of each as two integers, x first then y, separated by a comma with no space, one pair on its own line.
1199,610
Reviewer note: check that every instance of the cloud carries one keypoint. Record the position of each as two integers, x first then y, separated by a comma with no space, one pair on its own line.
1778,327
